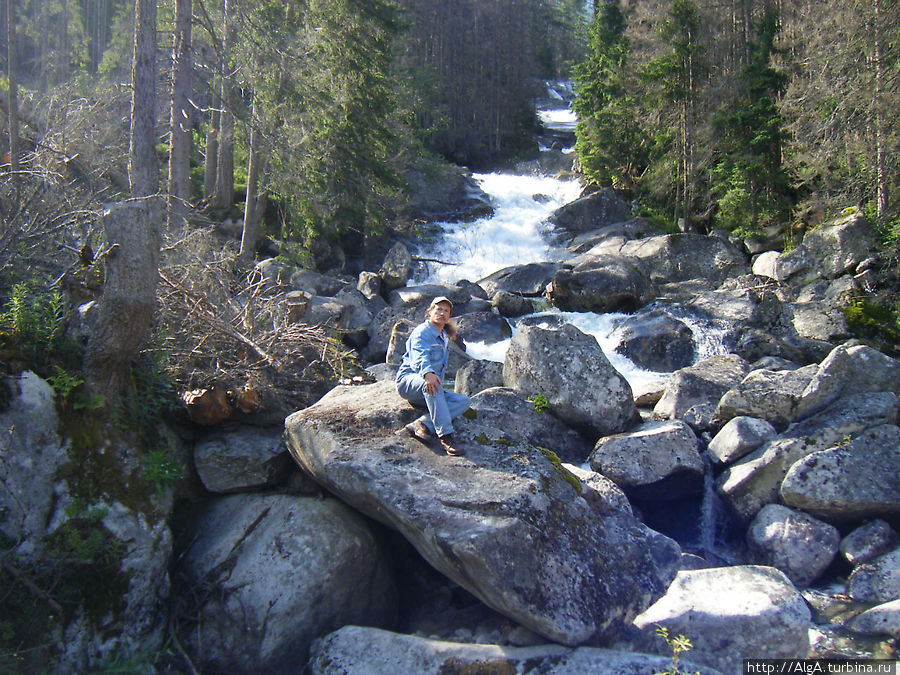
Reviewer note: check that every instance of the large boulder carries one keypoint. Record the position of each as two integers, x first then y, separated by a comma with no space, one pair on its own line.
660,459
32,457
869,541
527,280
730,614
682,257
796,543
590,212
478,375
740,436
571,371
396,267
850,369
605,284
369,651
850,481
523,422
243,460
506,521
771,395
882,619
692,393
755,480
828,251
485,327
877,580
279,571
657,342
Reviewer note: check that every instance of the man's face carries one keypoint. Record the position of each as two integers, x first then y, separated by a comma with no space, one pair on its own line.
440,313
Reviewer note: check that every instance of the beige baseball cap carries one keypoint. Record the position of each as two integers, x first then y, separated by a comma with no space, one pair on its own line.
441,298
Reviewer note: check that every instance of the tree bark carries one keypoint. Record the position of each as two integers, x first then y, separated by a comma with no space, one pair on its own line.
12,64
180,118
224,194
252,210
125,310
880,133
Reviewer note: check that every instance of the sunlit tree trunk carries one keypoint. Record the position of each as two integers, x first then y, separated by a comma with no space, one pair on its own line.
180,118
880,177
125,310
12,64
224,193
252,210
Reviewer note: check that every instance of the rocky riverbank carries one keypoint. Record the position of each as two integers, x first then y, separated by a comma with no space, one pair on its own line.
748,501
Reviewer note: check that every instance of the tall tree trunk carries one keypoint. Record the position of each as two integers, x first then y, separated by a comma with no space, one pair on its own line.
125,310
63,67
43,49
12,64
211,166
180,118
224,196
252,211
880,133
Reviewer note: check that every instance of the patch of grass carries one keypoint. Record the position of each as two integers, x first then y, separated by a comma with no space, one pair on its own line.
876,323
540,402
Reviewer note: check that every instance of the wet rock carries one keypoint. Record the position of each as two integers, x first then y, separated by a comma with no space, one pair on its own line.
851,481
730,614
396,267
369,284
484,327
528,280
521,421
771,395
880,620
877,580
280,571
692,393
664,455
571,371
606,284
657,342
869,541
478,375
511,305
367,651
740,436
755,480
506,521
796,543
242,461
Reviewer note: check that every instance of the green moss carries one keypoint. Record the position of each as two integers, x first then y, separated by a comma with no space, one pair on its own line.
484,440
471,414
567,475
876,323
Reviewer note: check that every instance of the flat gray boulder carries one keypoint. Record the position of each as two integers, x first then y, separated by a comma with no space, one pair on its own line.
828,251
507,521
740,436
527,280
851,481
877,580
661,454
604,284
692,393
882,619
368,651
278,571
796,543
850,369
571,371
730,614
771,395
522,421
657,342
478,375
590,211
669,258
869,541
248,459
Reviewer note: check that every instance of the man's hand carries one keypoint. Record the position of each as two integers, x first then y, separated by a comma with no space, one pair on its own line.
432,384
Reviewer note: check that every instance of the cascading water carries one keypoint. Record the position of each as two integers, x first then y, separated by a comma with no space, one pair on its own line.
516,235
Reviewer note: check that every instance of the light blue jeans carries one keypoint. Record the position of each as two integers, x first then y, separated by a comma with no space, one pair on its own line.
443,407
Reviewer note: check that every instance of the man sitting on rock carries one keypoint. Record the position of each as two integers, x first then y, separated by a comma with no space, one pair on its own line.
421,376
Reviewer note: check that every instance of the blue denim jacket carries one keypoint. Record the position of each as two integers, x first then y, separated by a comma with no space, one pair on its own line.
426,352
